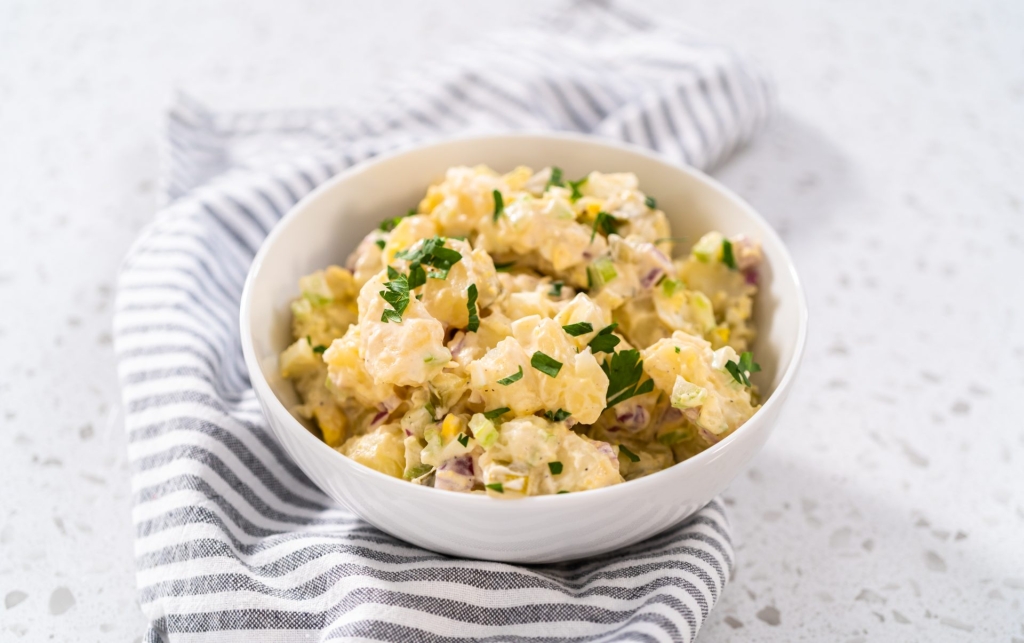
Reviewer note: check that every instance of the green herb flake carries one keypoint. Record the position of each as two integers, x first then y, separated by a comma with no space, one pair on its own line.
604,222
433,253
417,276
677,349
556,178
579,328
463,439
379,243
545,364
741,371
555,468
319,349
575,187
513,378
387,225
651,203
727,256
557,416
556,288
605,342
561,492
629,454
474,317
624,371
396,293
496,486
497,413
499,204
504,267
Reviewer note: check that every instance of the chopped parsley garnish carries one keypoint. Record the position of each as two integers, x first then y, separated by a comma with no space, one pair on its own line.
474,317
497,413
741,370
556,178
555,468
504,267
513,378
557,416
556,288
463,439
417,277
651,203
562,491
629,454
319,349
575,187
604,222
496,486
605,342
727,256
396,293
677,349
545,364
433,253
387,225
624,371
579,328
499,205
379,243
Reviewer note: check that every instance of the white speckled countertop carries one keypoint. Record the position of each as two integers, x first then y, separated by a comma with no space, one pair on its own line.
888,506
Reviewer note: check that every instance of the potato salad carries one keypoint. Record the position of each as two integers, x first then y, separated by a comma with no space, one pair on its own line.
524,334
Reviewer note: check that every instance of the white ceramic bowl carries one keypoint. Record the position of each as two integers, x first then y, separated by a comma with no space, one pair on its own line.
325,226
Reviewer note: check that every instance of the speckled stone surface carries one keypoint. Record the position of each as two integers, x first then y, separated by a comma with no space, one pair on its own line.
889,505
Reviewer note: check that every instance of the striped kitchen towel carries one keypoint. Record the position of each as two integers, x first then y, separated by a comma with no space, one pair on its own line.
233,542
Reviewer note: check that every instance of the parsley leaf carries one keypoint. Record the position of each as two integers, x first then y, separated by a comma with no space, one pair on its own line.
651,203
579,328
497,413
556,288
504,267
387,225
740,371
562,491
433,253
319,349
727,256
379,243
474,317
629,454
624,371
555,467
545,364
557,416
417,276
556,178
513,378
605,342
575,187
463,439
396,293
496,486
606,223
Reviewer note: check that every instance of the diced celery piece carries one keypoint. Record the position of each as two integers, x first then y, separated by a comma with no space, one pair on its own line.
315,289
483,430
686,395
702,310
604,269
670,286
709,248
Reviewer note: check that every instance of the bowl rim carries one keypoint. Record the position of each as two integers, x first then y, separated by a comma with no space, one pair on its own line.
271,400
